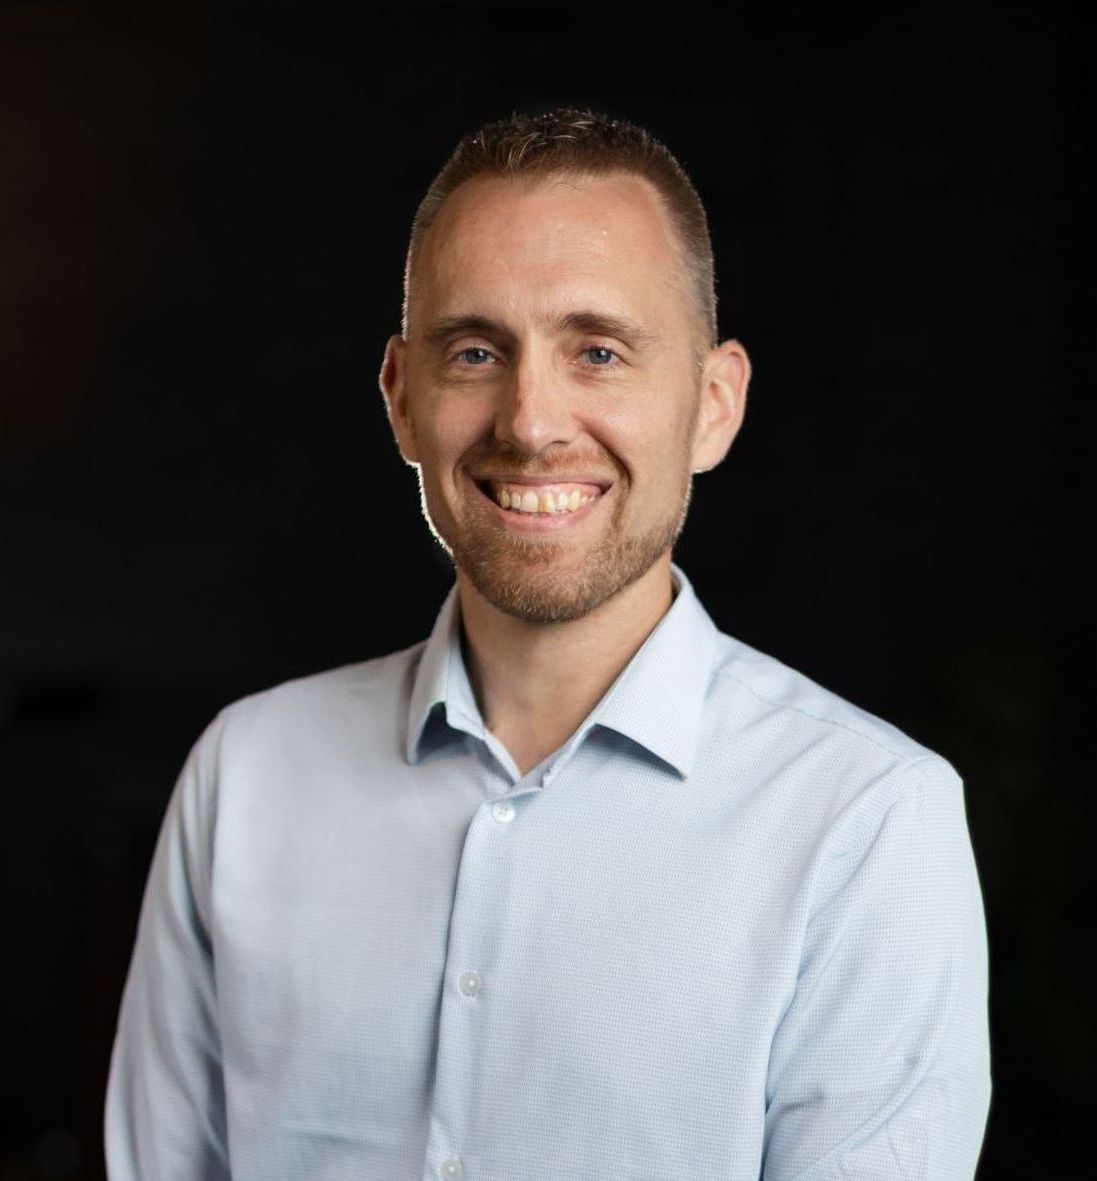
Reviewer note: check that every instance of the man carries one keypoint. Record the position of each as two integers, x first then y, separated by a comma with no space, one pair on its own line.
579,887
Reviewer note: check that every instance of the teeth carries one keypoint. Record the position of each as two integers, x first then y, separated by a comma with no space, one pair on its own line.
544,502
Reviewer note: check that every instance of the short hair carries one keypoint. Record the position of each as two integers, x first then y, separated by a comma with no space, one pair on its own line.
570,141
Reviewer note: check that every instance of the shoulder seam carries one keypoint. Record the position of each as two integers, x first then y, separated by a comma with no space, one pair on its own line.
912,759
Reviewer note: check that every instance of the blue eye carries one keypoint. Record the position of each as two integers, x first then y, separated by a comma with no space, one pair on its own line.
483,353
606,354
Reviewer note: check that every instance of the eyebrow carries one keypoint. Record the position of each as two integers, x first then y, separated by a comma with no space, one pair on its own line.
595,323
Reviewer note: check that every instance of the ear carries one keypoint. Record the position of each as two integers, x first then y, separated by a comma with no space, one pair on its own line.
393,380
725,376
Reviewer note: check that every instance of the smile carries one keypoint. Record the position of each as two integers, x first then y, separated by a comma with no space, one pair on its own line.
532,500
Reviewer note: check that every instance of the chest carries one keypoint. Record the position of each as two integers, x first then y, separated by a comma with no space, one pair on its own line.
605,960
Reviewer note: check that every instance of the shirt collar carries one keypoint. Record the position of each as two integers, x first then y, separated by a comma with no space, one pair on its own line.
657,700
441,684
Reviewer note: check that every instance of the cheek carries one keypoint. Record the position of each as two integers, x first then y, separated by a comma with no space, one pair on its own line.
442,440
652,446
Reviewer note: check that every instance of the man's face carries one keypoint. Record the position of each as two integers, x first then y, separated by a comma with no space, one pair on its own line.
548,389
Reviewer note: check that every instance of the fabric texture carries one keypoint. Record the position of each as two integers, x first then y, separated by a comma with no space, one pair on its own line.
731,929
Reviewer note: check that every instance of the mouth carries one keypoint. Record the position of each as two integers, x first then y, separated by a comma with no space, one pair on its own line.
529,503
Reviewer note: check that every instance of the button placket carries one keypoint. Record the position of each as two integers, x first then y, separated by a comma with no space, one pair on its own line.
461,1014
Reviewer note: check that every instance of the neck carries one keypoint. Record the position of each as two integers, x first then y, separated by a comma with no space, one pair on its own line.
536,682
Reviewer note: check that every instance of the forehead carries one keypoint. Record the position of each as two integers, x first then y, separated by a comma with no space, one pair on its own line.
513,242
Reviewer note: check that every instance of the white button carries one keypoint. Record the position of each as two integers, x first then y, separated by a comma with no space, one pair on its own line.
503,811
452,1169
470,983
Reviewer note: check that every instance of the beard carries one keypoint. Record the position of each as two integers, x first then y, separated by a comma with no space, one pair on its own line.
544,581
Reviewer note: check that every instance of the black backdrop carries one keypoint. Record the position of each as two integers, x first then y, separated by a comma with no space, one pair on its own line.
203,210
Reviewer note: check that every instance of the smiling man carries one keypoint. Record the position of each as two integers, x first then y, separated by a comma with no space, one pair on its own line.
579,887
552,388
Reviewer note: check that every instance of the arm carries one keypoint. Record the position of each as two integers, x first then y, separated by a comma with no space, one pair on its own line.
165,1108
879,1069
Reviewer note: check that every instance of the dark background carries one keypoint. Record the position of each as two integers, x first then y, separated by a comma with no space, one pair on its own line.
203,210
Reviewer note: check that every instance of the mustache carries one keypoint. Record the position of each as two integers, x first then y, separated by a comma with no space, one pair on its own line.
491,457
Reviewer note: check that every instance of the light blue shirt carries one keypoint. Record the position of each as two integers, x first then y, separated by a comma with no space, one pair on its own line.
731,929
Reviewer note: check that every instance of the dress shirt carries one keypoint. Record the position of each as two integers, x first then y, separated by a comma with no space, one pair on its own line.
731,929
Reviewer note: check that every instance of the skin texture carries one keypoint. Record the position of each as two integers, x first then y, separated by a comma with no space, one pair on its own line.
511,370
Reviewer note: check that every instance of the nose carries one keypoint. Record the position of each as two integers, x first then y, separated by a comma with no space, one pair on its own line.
534,410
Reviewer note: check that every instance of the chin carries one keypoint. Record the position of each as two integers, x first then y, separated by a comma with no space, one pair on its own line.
539,589
534,604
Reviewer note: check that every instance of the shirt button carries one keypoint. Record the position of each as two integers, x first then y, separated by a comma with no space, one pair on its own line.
452,1169
470,983
503,811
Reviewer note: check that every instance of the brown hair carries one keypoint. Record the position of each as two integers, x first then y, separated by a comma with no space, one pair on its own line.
579,142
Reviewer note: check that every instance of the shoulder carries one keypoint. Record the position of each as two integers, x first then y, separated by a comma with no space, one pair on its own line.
803,702
828,755
361,679
360,697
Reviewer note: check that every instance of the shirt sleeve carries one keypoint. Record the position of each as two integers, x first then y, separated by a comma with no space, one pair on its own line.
879,1069
165,1107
